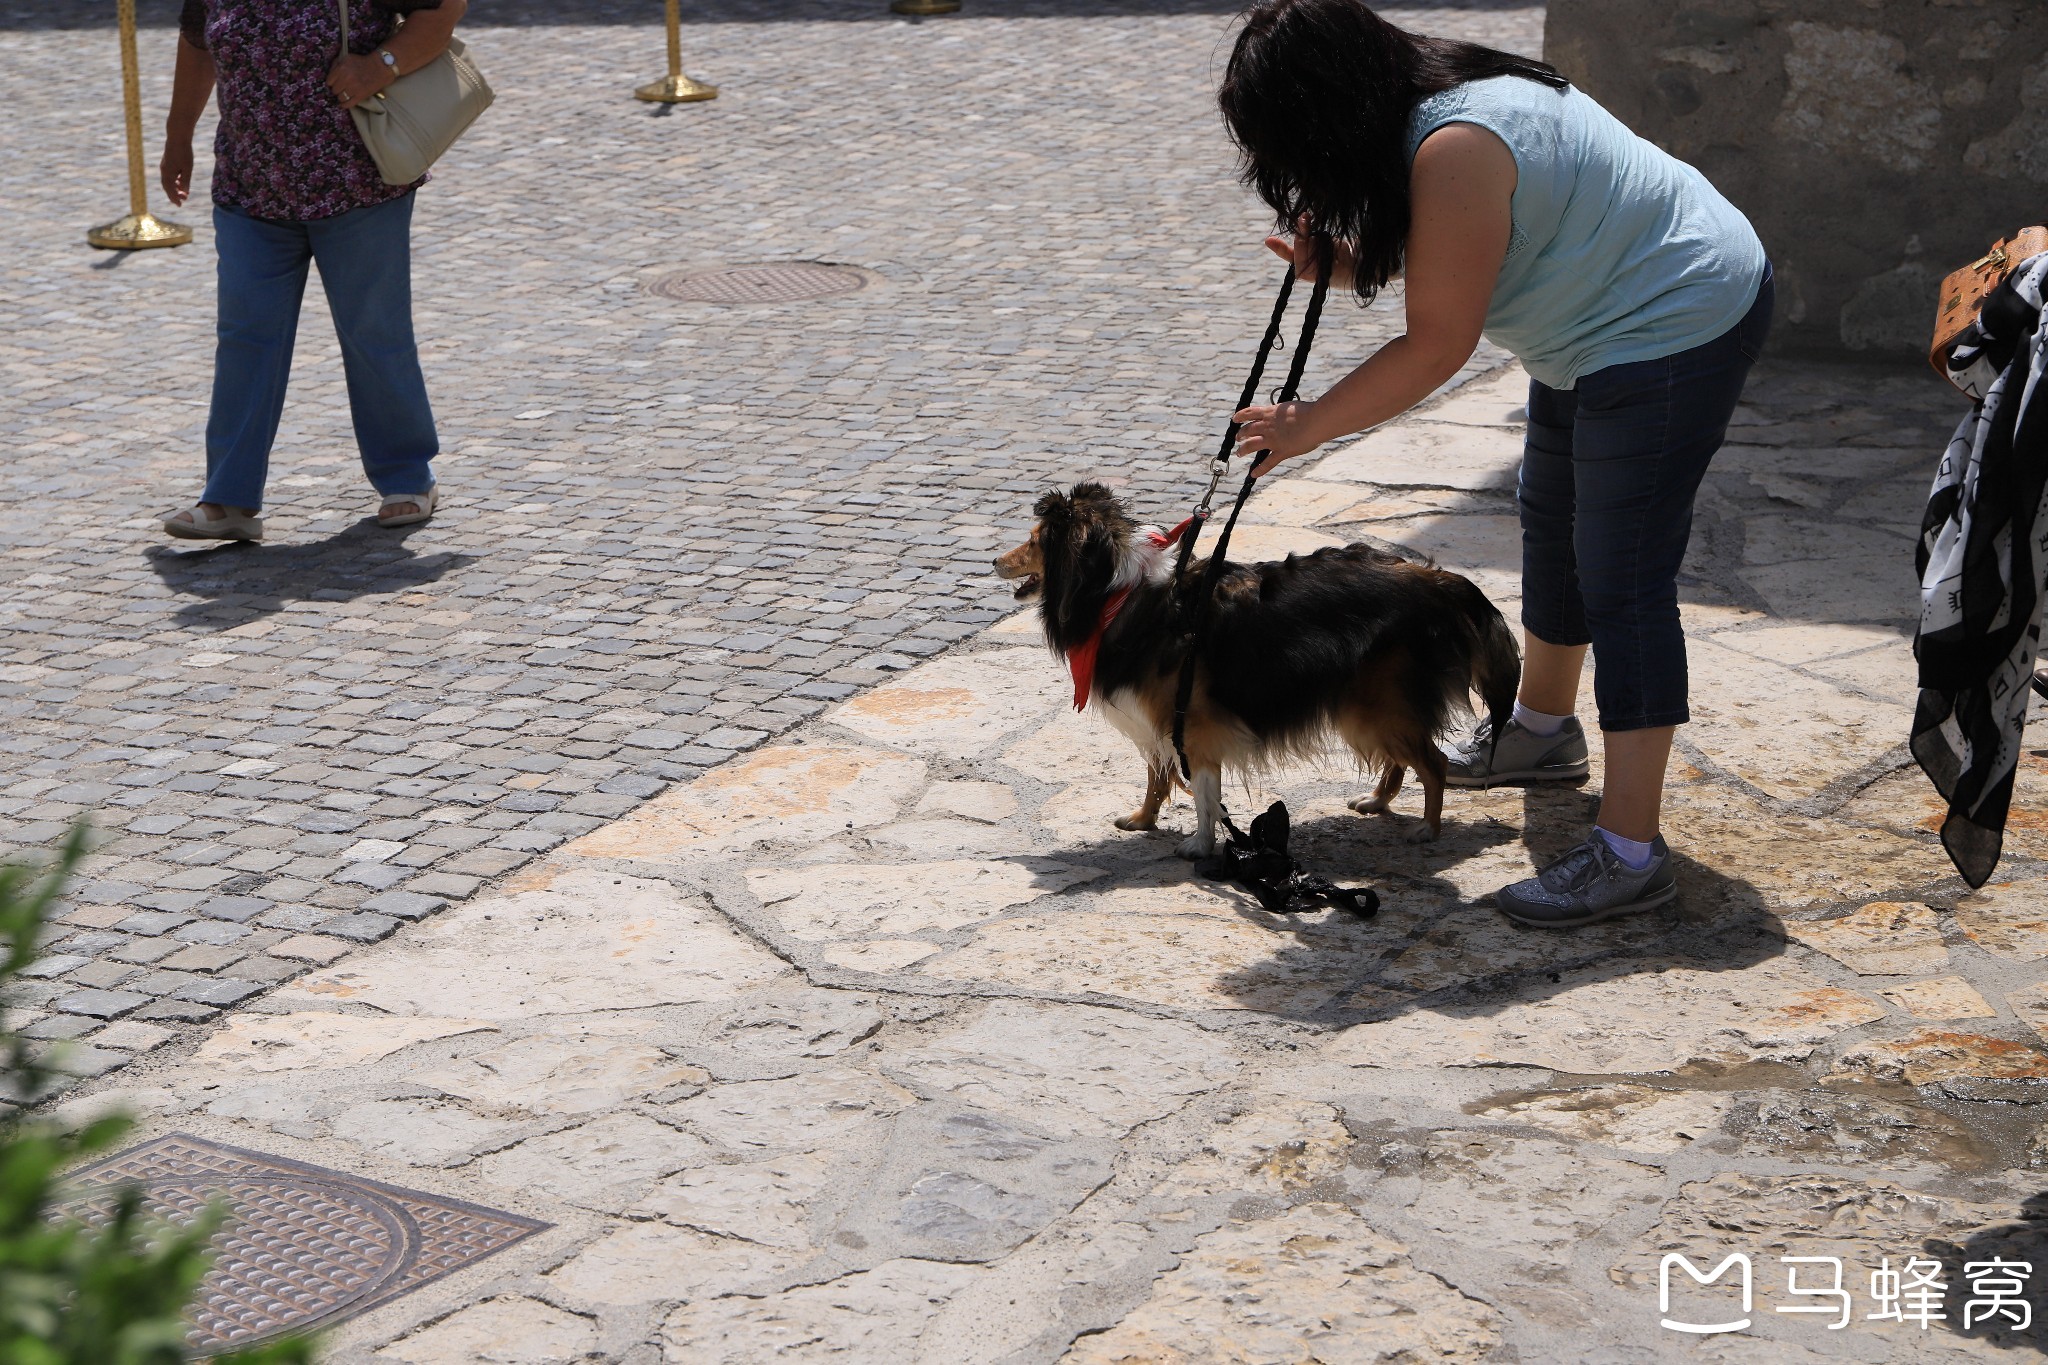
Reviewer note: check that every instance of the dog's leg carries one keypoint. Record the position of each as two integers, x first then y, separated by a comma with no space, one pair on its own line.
1158,782
1382,799
1430,769
1208,793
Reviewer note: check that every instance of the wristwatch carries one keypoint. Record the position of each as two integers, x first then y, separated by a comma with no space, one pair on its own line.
383,54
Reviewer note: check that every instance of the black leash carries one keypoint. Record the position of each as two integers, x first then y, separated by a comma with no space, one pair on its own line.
1184,693
1260,863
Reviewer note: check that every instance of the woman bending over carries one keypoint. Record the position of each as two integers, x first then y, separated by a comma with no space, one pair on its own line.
1636,297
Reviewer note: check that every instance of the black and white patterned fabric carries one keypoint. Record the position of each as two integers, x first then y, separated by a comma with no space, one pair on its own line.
1983,561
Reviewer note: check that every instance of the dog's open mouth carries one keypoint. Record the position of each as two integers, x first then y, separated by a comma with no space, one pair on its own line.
1027,588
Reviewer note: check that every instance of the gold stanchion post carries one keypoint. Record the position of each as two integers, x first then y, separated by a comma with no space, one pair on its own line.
140,228
674,88
924,7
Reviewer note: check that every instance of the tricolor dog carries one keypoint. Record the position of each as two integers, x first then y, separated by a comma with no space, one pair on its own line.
1356,646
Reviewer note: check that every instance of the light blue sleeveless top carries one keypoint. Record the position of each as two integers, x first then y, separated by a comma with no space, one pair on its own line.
1619,251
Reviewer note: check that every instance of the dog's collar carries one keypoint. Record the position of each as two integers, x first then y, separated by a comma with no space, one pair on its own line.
1081,658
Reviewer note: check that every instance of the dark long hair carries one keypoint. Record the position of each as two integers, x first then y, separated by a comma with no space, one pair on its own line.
1317,96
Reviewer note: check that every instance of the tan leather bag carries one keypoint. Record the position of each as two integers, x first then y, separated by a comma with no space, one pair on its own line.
1962,293
418,116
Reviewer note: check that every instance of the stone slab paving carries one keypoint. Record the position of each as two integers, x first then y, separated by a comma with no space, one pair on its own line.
671,531
880,1044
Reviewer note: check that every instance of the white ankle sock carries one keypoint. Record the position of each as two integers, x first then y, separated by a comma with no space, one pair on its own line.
1631,851
1538,724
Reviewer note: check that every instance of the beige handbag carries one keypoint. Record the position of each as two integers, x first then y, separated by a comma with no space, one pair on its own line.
418,116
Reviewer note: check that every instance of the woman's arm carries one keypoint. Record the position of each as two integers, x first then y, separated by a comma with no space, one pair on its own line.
422,37
1459,222
191,88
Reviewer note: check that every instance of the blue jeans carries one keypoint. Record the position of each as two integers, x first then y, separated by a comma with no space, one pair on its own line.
1609,471
365,259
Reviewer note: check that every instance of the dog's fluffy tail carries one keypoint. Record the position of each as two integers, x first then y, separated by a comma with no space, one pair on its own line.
1496,657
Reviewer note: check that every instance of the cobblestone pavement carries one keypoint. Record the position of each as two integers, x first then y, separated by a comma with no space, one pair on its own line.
879,1043
671,531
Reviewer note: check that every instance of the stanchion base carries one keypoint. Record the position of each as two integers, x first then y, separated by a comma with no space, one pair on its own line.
675,90
924,6
139,230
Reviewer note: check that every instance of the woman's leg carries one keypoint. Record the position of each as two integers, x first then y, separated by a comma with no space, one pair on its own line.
262,276
1632,790
365,259
1643,438
1546,499
1544,742
1550,675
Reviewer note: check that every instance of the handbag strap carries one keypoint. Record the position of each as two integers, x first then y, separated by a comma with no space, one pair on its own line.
344,28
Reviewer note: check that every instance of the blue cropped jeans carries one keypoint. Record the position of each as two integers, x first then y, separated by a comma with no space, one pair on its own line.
365,259
1609,471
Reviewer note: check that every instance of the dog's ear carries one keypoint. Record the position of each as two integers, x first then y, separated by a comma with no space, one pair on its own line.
1081,535
1080,564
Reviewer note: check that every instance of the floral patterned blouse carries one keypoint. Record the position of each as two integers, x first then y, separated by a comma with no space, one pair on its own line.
286,149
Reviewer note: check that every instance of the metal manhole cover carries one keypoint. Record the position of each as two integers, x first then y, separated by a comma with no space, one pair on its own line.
772,282
303,1246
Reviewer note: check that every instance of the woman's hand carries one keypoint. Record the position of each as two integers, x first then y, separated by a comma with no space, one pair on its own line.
1299,251
354,79
1282,430
191,88
421,38
176,169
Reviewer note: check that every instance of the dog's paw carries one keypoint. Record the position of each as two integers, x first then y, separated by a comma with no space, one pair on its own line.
1371,805
1198,846
1423,833
1136,820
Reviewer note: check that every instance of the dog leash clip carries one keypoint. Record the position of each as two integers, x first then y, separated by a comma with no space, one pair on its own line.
1219,465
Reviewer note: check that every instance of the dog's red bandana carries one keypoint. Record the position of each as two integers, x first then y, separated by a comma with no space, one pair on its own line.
1081,658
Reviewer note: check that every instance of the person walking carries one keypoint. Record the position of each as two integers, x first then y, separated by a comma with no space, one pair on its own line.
293,184
1635,295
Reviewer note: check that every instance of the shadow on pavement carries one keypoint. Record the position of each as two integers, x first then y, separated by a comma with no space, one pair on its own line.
1433,946
238,582
2023,1240
1469,961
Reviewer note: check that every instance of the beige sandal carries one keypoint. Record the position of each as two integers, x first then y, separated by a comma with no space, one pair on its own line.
423,502
197,525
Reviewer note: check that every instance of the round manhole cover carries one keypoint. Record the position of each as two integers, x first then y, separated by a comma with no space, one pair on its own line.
774,282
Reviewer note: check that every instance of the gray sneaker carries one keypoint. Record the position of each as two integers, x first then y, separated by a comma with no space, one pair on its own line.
1519,756
1588,884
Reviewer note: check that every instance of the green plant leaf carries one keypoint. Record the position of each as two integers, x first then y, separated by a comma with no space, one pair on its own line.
72,1293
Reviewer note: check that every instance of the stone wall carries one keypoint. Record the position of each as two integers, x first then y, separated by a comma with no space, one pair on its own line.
1876,144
